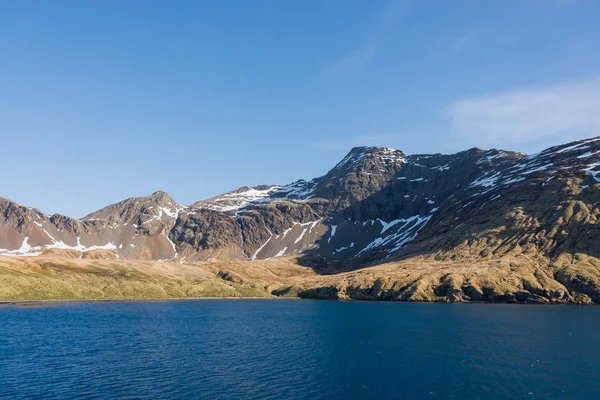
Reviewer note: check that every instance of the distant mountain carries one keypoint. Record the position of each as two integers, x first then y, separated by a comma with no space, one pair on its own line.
377,204
137,228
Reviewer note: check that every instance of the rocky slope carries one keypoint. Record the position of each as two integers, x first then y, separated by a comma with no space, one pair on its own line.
137,228
375,206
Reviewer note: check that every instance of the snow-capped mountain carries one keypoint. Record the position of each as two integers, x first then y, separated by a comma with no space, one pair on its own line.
375,204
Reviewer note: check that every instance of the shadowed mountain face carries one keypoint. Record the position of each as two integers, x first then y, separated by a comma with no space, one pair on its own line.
376,204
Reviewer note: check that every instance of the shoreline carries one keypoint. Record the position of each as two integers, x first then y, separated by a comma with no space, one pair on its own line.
130,300
4,303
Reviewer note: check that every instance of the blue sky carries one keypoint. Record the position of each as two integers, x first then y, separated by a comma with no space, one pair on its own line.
104,100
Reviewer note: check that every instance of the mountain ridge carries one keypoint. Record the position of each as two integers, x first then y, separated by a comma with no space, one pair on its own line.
375,204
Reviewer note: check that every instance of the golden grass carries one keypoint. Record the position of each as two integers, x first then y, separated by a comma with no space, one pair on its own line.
507,279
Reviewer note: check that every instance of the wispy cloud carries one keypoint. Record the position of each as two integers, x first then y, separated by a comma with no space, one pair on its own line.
460,43
529,114
355,60
383,139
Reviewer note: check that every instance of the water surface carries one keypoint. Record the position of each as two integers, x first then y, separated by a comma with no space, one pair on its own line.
266,349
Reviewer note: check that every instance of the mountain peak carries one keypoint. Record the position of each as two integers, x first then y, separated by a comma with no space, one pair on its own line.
160,195
161,198
373,150
357,155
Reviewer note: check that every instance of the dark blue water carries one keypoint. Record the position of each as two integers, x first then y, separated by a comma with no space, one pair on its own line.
265,349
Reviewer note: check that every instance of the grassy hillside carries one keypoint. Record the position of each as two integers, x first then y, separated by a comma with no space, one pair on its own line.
569,279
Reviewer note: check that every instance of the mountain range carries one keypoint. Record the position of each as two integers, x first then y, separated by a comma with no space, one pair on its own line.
376,206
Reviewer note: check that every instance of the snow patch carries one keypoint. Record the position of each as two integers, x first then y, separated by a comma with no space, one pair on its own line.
333,229
404,234
238,199
486,181
344,248
590,170
261,247
281,252
547,181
